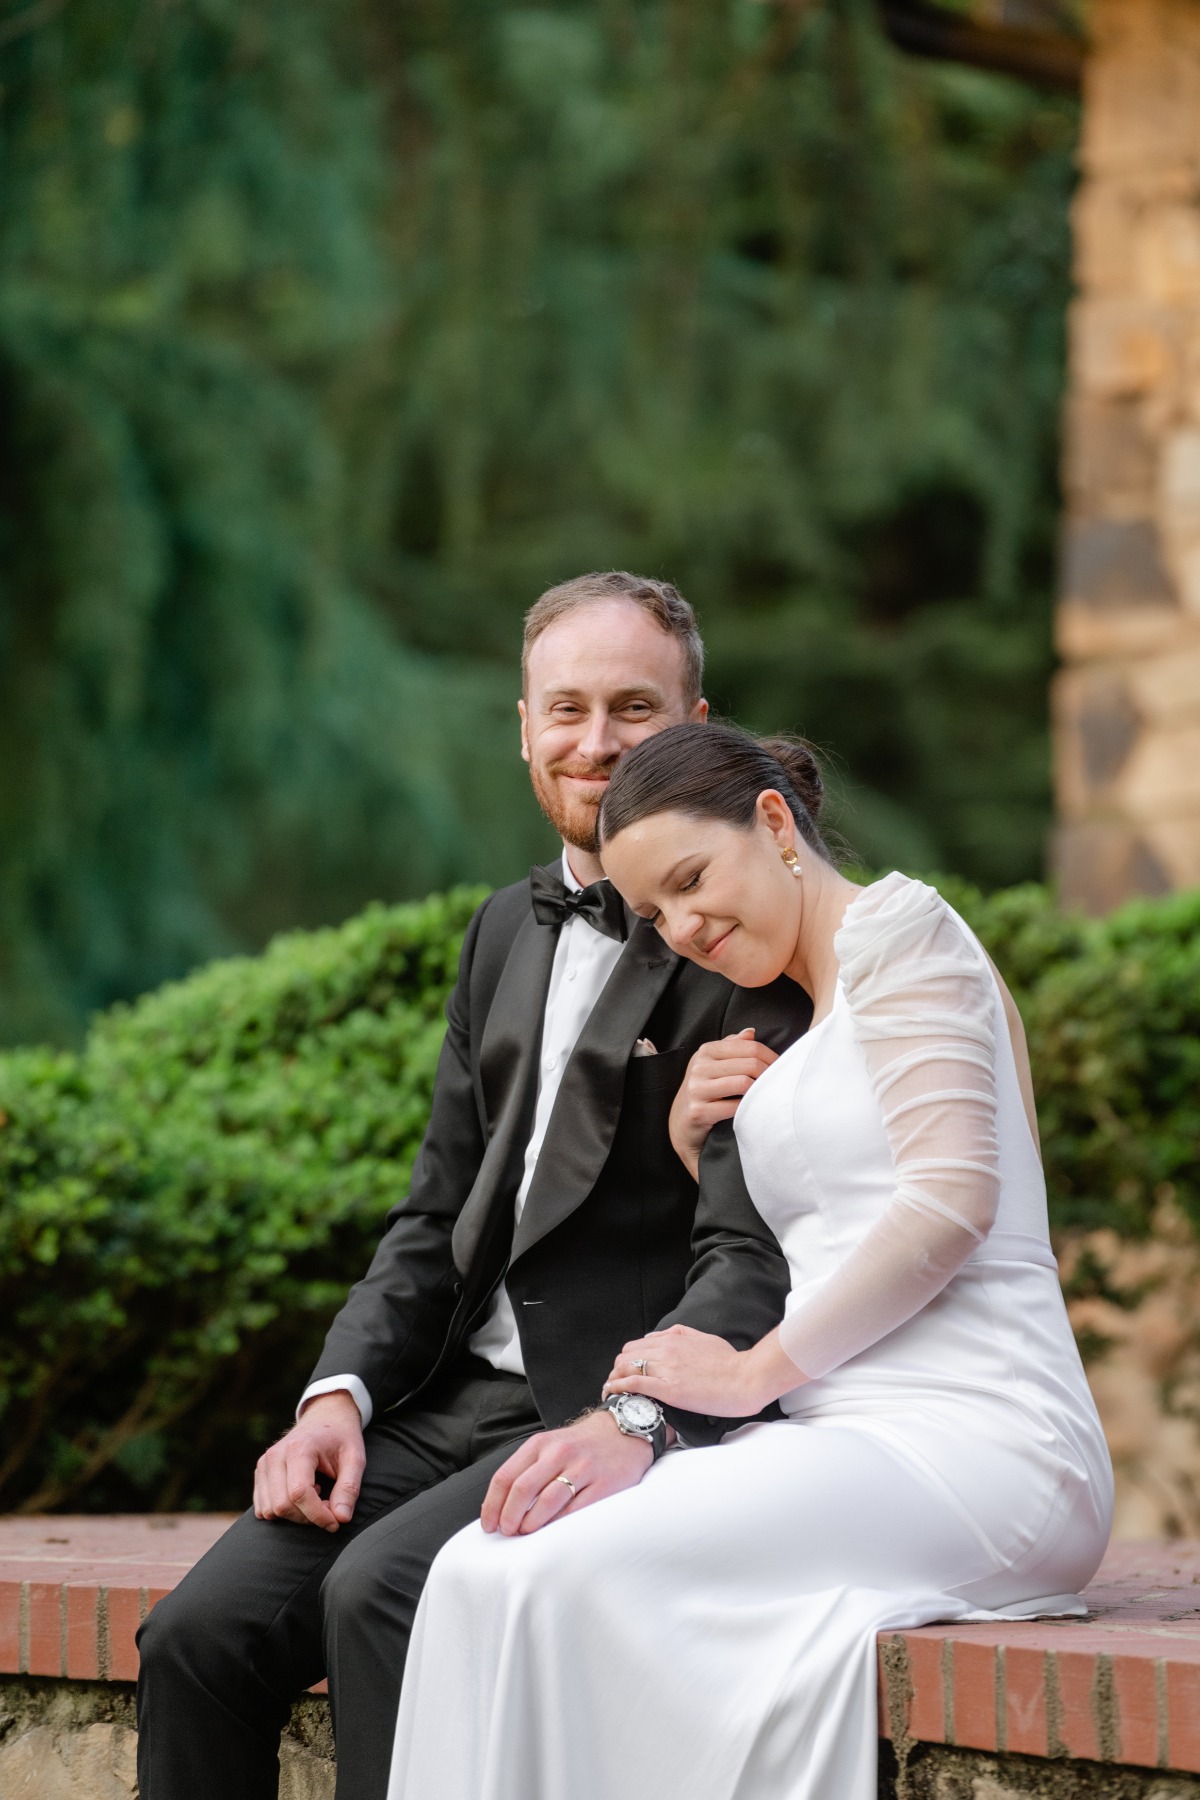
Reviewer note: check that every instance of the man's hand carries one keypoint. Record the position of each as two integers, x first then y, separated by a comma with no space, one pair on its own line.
327,1439
595,1457
718,1076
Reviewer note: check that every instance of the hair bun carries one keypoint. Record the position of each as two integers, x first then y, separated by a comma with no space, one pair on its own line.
802,769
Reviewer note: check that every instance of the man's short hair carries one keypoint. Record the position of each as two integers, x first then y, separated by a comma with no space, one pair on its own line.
665,604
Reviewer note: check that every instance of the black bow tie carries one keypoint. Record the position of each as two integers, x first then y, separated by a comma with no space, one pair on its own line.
554,903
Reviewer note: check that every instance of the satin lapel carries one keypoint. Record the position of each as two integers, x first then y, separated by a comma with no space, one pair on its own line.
585,1113
508,1057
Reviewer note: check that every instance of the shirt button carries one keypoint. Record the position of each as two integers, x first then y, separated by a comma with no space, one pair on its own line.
552,1063
571,974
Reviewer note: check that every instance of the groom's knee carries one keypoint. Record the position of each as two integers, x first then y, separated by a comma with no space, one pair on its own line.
237,1619
178,1640
376,1583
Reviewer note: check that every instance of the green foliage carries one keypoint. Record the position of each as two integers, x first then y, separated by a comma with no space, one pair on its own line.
183,1205
1112,1014
329,335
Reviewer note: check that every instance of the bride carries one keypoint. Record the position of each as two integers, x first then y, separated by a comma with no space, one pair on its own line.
710,1634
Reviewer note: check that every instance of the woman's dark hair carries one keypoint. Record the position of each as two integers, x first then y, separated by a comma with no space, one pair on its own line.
714,772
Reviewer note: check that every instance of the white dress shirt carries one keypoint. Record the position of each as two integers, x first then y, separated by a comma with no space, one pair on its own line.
584,958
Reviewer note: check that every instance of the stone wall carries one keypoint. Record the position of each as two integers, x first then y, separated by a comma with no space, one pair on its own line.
1139,1327
76,1740
938,1772
1127,705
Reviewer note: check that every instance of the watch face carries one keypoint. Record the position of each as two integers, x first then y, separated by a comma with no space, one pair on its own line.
638,1411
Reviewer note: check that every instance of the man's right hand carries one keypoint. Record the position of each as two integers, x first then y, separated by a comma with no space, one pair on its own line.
326,1440
718,1076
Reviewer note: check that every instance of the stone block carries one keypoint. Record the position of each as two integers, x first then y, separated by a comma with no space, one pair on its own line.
1166,689
1114,564
1160,777
1099,864
1179,485
1123,347
941,1772
1175,845
1187,565
1110,464
1096,726
1190,397
1142,86
98,1762
1085,634
1104,216
1168,255
303,1774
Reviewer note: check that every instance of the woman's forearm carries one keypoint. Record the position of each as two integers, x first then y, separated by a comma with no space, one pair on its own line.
770,1371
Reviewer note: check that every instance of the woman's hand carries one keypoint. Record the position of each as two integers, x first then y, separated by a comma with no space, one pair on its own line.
702,1373
717,1078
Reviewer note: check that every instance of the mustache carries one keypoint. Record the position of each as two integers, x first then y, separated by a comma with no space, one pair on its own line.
581,770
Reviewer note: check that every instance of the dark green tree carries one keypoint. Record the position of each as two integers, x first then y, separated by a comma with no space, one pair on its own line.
330,335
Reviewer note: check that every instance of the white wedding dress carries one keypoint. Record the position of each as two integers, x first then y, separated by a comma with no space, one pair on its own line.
710,1634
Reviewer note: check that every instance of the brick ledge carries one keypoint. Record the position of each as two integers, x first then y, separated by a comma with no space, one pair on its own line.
1122,1686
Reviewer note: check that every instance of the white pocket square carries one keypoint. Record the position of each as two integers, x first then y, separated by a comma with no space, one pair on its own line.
644,1047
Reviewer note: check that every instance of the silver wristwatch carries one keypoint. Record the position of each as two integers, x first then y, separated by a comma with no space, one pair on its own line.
639,1416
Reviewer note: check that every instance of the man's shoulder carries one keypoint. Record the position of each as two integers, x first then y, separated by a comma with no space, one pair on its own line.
500,917
505,906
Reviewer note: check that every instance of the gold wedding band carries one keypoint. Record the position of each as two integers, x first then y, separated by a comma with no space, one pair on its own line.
567,1482
639,1364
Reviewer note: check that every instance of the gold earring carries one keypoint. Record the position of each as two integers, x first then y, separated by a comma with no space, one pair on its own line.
792,861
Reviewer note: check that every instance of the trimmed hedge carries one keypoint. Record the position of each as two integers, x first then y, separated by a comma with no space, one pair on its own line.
183,1204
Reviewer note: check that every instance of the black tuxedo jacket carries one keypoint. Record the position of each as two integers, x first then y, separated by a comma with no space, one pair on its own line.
614,1238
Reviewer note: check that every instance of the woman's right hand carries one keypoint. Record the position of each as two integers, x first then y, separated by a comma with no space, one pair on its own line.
718,1077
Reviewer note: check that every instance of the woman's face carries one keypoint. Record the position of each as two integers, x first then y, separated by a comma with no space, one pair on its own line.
718,894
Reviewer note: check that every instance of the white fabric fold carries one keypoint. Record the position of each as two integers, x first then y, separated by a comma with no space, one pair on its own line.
923,1004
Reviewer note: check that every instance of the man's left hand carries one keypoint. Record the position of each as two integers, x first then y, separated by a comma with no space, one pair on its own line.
563,1471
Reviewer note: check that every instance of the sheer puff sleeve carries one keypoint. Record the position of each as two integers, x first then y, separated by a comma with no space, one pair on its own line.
922,1000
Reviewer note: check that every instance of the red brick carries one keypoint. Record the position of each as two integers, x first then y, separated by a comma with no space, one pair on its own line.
10,1627
83,1638
927,1720
1135,1687
975,1695
45,1628
1076,1672
124,1617
1025,1700
1183,1716
925,1710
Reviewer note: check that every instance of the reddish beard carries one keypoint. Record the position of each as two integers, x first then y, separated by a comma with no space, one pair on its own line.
575,817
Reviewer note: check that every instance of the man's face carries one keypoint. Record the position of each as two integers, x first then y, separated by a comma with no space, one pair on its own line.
599,681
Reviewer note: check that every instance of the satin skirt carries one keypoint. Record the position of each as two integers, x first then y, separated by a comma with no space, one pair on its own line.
711,1633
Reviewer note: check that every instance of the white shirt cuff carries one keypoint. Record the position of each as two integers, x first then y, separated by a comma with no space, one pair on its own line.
348,1384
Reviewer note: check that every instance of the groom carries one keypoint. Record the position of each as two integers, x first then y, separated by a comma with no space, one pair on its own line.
549,1221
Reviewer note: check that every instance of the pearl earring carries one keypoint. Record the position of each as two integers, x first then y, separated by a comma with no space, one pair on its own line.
792,861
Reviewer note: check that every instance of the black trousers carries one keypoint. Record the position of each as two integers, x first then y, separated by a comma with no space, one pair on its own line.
274,1606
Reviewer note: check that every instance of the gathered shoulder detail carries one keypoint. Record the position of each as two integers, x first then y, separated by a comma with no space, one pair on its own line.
905,956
